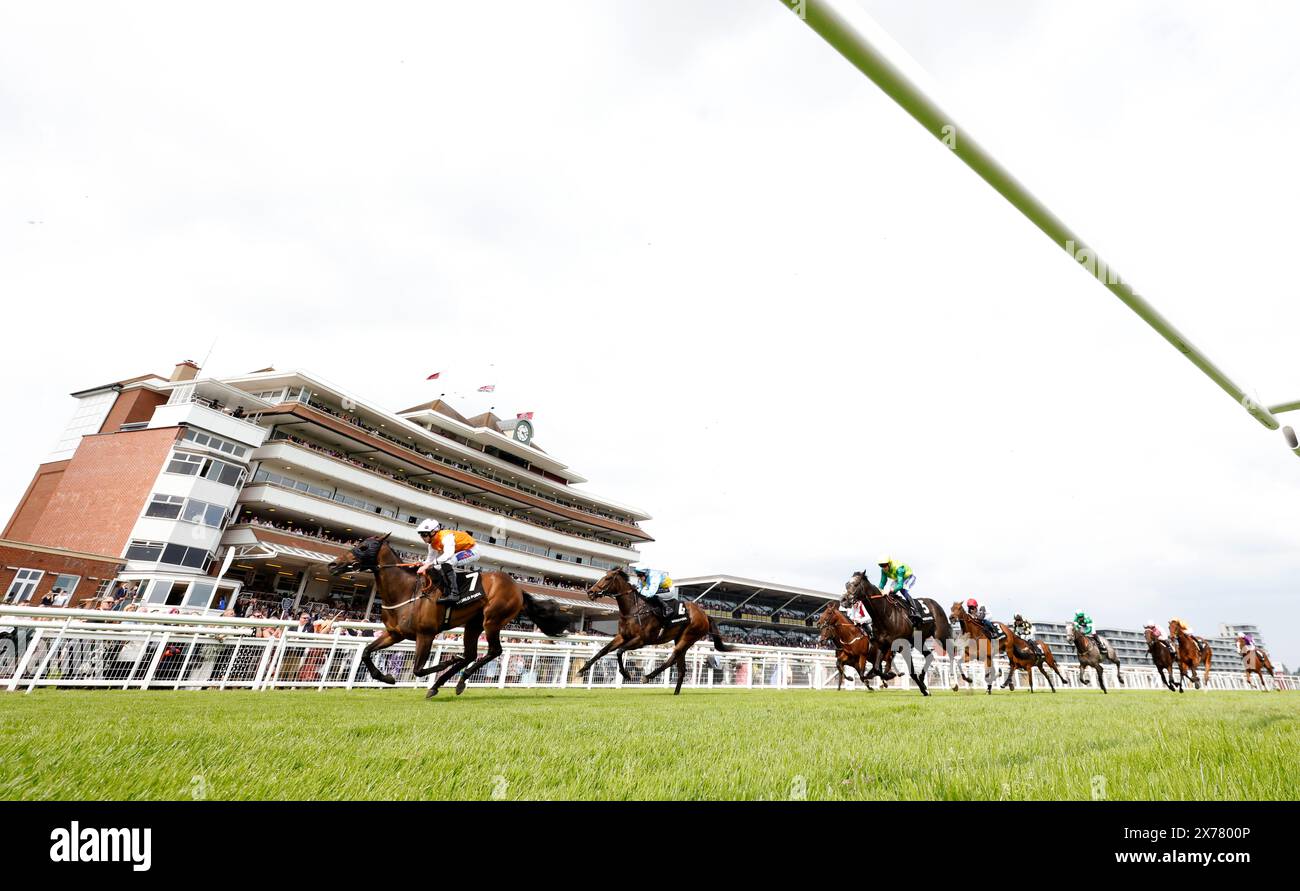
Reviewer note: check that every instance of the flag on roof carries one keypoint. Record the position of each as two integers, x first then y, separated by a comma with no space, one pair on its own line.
434,376
488,388
524,416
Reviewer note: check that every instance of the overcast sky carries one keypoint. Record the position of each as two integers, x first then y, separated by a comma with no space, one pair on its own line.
739,287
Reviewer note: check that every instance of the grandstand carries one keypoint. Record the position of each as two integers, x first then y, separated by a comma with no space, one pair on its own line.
757,612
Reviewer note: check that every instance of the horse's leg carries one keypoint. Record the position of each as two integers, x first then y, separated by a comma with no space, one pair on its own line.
472,630
1044,673
678,648
1101,677
383,640
423,643
493,650
925,667
615,641
839,669
989,675
622,669
681,672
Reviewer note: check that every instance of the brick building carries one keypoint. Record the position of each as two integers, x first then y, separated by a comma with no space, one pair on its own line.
199,490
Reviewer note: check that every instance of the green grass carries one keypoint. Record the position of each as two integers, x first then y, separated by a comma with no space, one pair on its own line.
308,744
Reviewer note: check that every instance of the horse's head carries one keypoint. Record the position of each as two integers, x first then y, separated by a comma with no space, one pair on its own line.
827,620
363,556
611,584
957,612
856,588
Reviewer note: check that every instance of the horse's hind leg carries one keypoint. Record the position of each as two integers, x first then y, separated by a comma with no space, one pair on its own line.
423,643
1044,673
678,649
617,640
1101,677
471,649
493,650
681,672
382,641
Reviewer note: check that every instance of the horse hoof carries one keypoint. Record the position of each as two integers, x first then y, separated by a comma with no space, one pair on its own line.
460,688
433,691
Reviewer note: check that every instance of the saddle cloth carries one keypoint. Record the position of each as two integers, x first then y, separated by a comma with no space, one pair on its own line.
468,583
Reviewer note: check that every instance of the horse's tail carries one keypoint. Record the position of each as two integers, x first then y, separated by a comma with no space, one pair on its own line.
718,643
1209,654
546,616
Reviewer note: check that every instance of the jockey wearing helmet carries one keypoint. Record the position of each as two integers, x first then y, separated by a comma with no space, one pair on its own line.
1024,629
898,577
1158,635
657,588
980,615
448,549
1083,622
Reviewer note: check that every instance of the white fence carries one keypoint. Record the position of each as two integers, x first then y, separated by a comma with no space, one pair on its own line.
42,647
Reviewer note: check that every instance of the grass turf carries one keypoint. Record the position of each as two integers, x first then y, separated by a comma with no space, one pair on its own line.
605,744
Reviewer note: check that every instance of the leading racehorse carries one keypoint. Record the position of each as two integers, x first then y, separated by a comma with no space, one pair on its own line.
640,626
411,611
890,623
1191,651
852,646
1091,656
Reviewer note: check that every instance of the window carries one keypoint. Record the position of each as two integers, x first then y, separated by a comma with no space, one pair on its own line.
207,440
200,595
180,555
203,513
167,507
221,472
67,583
24,585
149,551
185,463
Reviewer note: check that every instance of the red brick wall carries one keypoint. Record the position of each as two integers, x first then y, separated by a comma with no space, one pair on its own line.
103,491
34,500
13,554
132,407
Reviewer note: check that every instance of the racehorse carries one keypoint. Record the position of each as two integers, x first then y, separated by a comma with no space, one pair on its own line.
1023,656
411,611
1255,659
1162,654
1090,656
890,622
974,634
852,647
1191,651
640,626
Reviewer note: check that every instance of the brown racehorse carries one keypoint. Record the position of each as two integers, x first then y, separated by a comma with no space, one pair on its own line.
1162,654
1023,656
1256,660
852,647
640,626
1091,656
890,623
975,636
1191,651
411,612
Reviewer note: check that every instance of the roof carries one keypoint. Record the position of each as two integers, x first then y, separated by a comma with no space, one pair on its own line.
734,581
440,407
122,384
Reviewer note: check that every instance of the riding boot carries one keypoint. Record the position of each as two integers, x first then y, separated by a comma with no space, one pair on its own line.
451,594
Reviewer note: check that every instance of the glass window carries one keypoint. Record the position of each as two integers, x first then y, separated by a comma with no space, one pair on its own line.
144,550
200,595
185,463
67,583
167,507
159,589
221,472
24,585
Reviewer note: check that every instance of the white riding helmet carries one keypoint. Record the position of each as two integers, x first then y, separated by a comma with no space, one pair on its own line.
428,526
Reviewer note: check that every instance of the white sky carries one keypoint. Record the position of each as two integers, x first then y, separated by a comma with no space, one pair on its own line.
740,288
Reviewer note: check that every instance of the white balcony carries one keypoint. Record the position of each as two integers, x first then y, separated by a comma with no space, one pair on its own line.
279,456
197,414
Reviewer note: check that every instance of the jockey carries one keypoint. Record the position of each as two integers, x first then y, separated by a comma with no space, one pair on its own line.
1024,629
980,614
1247,642
657,588
1181,626
899,577
1083,622
448,549
1157,634
858,615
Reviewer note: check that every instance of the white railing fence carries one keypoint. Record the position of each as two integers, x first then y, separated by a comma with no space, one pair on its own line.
43,647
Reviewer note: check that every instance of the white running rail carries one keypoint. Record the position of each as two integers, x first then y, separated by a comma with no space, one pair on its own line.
44,647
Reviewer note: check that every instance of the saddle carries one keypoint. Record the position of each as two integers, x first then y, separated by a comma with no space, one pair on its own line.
922,619
677,614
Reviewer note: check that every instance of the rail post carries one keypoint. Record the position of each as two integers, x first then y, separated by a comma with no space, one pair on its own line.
23,662
48,655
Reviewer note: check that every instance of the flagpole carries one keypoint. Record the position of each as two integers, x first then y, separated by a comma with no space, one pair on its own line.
858,38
